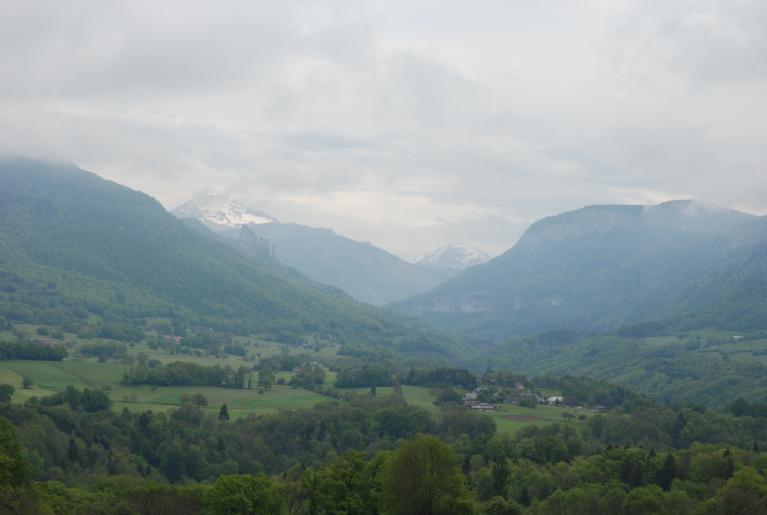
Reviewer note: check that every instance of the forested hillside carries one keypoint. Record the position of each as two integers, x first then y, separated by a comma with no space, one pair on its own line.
603,267
364,271
75,248
709,368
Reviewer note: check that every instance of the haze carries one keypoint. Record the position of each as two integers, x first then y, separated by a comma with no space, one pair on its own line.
407,124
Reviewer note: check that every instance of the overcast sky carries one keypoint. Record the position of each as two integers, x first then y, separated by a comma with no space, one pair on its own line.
409,124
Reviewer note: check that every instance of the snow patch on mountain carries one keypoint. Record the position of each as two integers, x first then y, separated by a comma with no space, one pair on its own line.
456,256
222,213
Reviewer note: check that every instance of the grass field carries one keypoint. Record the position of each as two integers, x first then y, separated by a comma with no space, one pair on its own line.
50,377
508,418
416,395
240,402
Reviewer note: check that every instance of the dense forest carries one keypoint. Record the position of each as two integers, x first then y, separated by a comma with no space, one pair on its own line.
703,367
71,453
97,259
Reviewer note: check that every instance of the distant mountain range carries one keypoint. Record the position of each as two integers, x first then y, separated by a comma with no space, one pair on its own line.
364,271
603,267
221,214
457,256
77,250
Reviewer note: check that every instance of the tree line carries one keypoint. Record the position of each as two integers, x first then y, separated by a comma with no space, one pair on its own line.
179,373
32,351
377,375
70,453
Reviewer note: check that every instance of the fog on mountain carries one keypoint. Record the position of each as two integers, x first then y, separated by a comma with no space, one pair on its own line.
423,258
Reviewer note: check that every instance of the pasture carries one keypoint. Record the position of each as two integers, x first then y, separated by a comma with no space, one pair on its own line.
49,377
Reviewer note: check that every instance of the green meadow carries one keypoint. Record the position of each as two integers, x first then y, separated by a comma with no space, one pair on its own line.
50,377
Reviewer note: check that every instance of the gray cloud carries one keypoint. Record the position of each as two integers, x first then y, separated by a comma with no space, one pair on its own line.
406,124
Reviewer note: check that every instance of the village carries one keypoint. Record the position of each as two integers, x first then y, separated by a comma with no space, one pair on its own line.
490,398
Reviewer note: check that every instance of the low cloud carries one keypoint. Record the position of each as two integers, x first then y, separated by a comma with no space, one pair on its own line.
407,125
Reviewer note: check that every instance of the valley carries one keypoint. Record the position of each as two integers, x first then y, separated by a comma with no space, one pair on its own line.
383,258
137,347
81,372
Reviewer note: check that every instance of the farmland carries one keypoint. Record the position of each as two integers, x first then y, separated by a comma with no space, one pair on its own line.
50,377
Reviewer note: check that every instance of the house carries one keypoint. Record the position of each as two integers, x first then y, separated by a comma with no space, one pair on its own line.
469,397
556,400
483,406
599,409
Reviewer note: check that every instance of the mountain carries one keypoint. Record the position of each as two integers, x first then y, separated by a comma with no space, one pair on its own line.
221,214
78,250
603,267
364,271
457,256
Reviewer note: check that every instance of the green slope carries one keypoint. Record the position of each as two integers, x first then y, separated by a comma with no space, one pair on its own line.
603,267
711,368
76,247
364,271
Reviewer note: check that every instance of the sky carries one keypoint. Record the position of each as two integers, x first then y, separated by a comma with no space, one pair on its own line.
407,124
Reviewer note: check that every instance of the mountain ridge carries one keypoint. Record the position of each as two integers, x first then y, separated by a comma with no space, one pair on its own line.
598,268
76,249
455,256
366,272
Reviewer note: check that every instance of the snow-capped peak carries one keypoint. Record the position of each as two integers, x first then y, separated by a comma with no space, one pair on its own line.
221,213
456,256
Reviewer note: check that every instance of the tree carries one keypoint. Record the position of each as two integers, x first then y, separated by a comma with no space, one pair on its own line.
26,383
644,499
6,391
729,463
244,494
423,478
739,407
223,413
679,425
308,377
73,453
15,473
199,399
745,492
266,378
633,467
524,497
500,506
401,421
344,486
666,474
448,395
567,416
93,400
500,475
